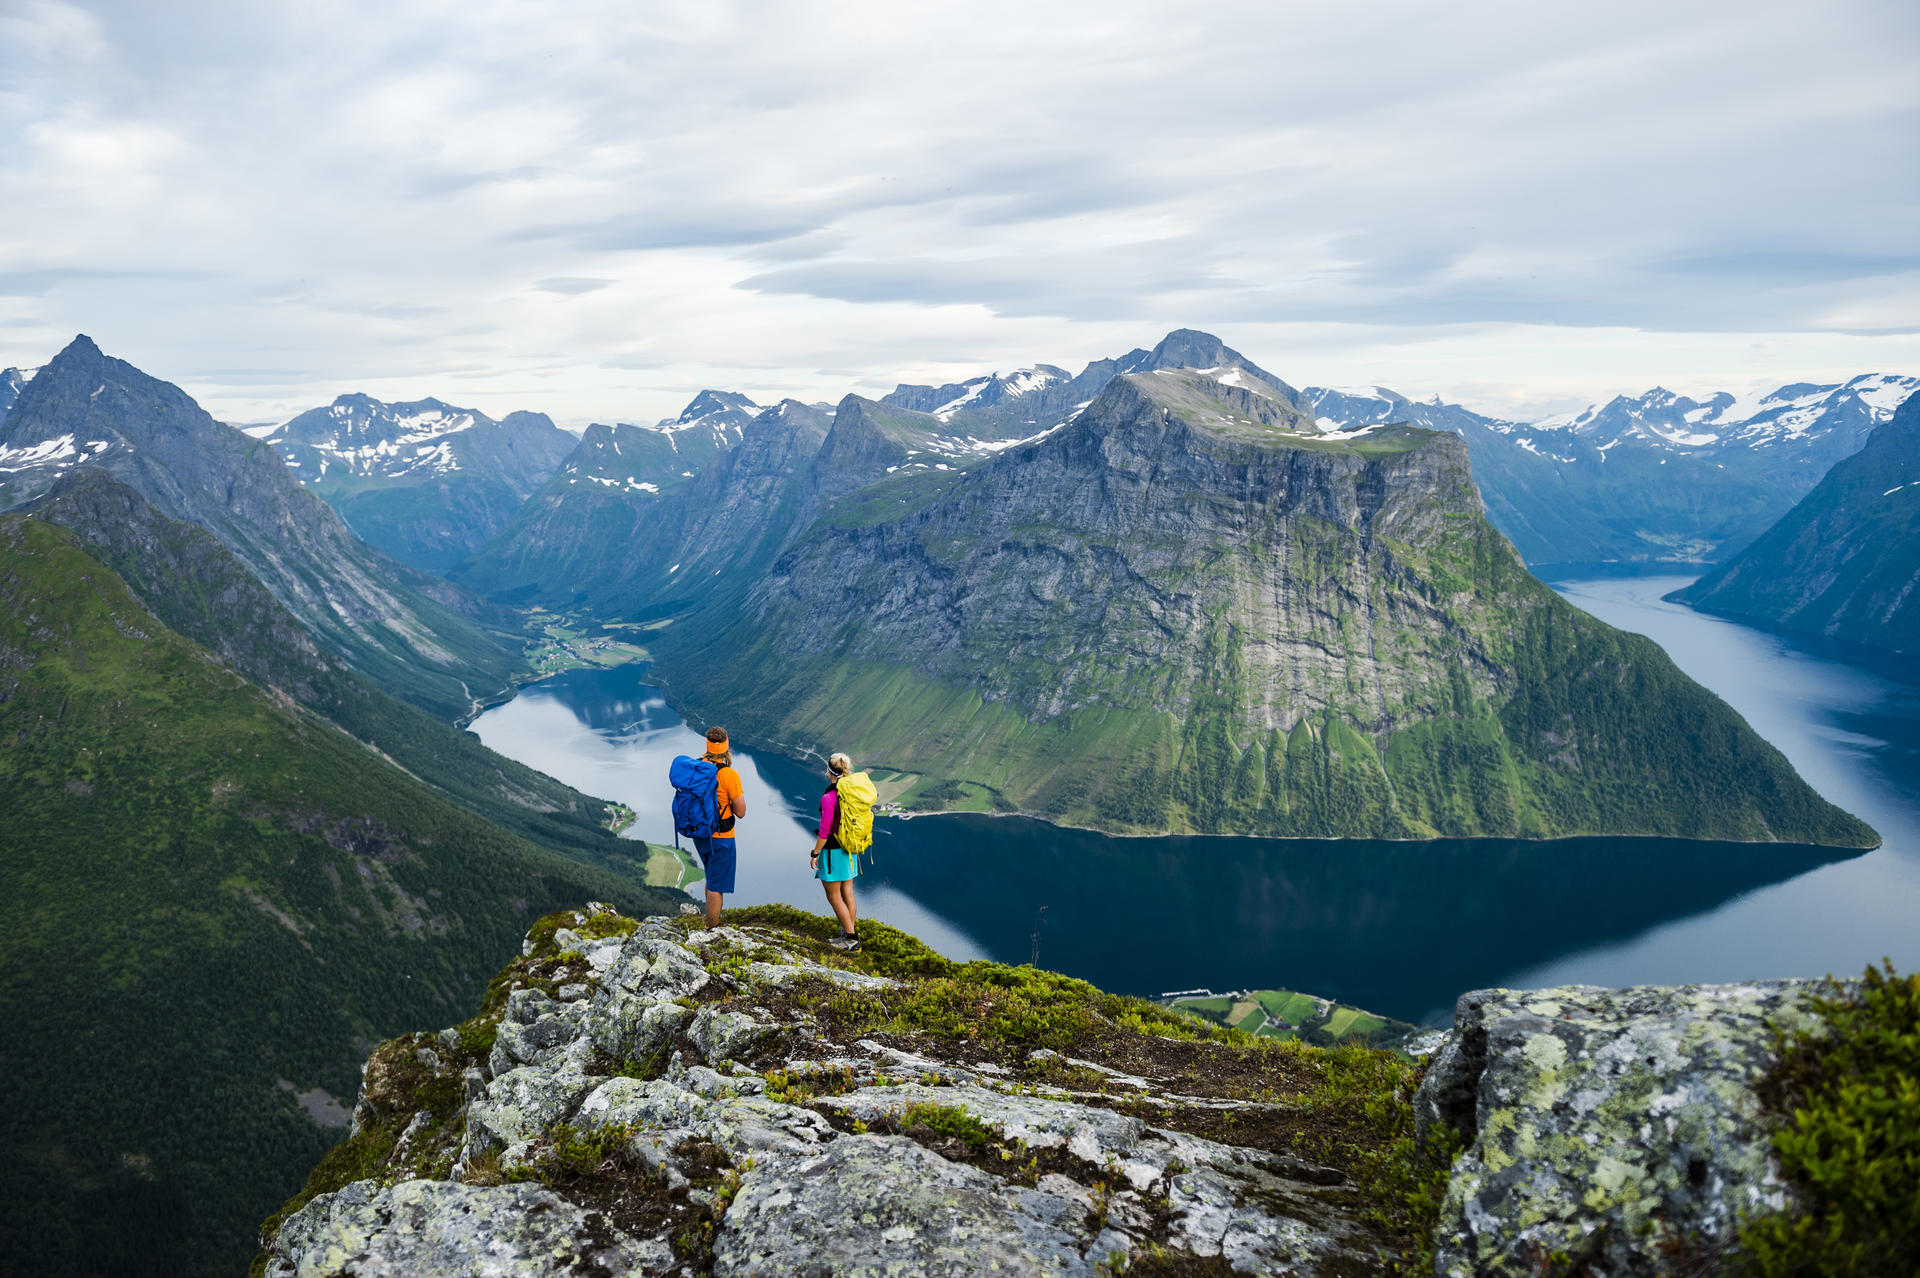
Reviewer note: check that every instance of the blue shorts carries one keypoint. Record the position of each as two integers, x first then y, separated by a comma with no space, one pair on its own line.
836,866
716,854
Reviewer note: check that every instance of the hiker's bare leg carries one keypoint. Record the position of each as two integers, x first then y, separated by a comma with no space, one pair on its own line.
841,897
713,909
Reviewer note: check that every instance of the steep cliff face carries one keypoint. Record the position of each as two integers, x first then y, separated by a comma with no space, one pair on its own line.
1188,610
1845,562
418,637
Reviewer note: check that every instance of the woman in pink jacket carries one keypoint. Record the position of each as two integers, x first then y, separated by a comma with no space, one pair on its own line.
831,863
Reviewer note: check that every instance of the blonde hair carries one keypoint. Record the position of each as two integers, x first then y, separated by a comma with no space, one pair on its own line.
839,763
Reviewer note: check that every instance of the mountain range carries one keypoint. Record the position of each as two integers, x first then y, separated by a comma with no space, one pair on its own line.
1653,480
414,634
1193,607
1173,593
425,482
1844,563
1656,479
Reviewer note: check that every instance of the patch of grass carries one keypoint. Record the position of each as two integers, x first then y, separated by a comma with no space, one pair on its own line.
798,1087
949,1122
1848,1100
567,1154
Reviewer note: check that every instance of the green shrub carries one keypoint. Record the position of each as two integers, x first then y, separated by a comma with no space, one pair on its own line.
949,1122
1848,1097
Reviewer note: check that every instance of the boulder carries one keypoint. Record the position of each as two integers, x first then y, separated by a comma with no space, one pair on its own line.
869,1206
1616,1128
436,1229
728,1036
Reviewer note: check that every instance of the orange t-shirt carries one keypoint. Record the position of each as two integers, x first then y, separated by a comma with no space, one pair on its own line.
732,797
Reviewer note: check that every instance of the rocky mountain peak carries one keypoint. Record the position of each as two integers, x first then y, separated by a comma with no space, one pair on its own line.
710,402
1191,348
1212,402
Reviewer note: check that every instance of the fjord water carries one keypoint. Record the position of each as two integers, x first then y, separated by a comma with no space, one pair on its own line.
1399,928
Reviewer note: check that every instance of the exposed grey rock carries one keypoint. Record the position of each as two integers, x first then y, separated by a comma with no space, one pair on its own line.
744,1126
434,1229
522,1103
534,1031
654,967
882,1205
1602,1122
726,1036
629,1027
1599,1123
781,975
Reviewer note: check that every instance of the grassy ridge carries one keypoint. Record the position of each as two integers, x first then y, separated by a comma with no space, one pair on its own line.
1288,1014
204,893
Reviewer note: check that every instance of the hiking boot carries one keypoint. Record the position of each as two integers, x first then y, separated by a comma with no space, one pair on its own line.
851,944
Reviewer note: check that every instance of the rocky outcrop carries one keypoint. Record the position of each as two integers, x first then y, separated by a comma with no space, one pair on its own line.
1612,1129
728,1130
653,1098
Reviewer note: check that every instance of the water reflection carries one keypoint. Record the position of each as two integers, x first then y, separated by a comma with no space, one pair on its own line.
1400,928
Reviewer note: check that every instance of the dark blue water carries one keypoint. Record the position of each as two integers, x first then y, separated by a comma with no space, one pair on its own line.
1400,928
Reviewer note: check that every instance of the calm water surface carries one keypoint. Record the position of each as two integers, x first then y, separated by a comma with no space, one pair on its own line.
1400,928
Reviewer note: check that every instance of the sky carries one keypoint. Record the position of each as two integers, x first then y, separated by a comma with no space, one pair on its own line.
597,209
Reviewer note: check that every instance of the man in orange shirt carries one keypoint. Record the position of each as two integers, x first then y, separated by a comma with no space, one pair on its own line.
716,852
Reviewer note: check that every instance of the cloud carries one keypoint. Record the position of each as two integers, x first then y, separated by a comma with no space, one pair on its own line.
812,197
572,285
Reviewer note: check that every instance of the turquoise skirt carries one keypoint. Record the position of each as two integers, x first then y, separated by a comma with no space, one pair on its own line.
836,866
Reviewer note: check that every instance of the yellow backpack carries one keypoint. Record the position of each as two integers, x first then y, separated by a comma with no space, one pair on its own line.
853,823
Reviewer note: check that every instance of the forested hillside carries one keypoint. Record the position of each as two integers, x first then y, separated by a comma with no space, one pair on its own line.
210,901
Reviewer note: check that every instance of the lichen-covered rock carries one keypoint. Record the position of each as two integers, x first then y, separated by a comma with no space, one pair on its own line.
727,1036
522,1103
656,968
629,1027
435,1229
1264,1212
665,1113
638,1096
1601,1124
868,1206
535,1031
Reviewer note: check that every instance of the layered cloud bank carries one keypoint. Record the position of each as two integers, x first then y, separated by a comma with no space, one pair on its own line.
593,213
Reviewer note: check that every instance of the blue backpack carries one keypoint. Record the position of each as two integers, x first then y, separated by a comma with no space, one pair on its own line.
696,796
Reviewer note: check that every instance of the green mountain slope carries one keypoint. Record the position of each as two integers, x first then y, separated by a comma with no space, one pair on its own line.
1187,611
194,585
209,902
1845,561
416,636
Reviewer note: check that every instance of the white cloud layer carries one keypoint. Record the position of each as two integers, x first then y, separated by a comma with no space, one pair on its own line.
596,209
